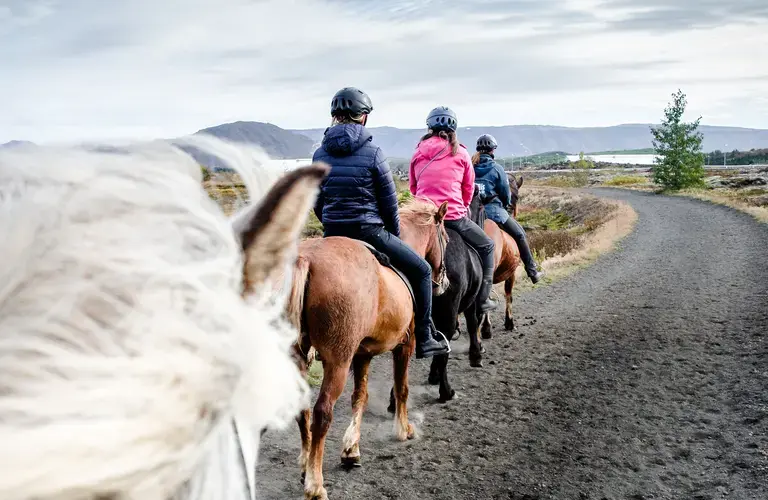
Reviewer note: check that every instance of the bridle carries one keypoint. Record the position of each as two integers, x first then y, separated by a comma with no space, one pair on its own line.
441,271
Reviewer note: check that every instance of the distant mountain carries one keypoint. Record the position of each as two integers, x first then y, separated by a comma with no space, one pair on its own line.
523,140
278,143
15,144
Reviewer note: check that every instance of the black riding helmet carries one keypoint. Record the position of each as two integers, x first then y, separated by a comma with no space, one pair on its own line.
486,142
442,118
351,101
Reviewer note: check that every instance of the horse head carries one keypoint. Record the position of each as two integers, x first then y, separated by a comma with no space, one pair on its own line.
436,251
514,188
134,326
423,228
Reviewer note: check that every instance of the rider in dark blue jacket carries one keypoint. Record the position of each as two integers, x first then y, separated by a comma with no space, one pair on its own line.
358,200
496,196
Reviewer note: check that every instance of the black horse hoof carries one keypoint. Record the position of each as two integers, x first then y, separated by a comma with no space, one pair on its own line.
450,397
487,334
350,462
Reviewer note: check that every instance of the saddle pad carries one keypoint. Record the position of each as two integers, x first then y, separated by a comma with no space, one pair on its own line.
384,261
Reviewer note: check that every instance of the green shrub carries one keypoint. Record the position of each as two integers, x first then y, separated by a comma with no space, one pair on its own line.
543,218
625,180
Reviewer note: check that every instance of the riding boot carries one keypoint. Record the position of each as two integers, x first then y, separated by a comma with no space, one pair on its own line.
430,342
486,303
530,265
514,229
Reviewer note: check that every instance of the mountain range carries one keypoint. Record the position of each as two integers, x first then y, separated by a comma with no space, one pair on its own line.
517,140
523,140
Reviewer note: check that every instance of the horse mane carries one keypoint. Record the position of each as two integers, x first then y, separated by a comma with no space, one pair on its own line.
126,348
419,211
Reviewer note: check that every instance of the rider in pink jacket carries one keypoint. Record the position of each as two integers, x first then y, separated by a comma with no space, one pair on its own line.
441,170
448,178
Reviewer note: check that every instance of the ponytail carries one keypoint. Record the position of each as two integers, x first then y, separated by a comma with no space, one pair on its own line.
448,135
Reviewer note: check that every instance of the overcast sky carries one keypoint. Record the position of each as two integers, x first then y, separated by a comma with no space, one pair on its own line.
91,69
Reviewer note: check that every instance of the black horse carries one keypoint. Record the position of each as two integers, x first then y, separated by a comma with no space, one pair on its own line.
465,274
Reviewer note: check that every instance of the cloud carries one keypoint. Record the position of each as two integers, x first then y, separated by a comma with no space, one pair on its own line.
86,69
680,15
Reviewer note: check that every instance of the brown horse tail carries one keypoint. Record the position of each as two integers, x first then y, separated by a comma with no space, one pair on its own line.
295,307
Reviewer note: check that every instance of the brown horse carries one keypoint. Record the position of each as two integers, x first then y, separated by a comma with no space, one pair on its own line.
350,308
507,260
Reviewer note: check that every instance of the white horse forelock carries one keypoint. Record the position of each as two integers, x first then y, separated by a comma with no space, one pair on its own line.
125,345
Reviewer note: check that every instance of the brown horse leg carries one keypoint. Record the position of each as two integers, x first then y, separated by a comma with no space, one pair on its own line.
304,417
350,455
334,377
473,332
401,356
485,329
509,322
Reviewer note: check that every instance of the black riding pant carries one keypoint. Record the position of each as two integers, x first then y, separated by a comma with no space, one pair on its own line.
416,269
518,234
475,237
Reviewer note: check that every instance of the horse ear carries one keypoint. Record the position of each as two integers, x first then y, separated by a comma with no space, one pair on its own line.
520,181
269,231
440,215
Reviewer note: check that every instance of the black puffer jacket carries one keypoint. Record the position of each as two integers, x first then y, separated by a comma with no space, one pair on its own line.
360,187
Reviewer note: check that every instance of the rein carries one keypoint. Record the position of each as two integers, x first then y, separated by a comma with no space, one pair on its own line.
441,271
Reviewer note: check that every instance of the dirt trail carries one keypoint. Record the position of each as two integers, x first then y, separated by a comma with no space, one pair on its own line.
644,376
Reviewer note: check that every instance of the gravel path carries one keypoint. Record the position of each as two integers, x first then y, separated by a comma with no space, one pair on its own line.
644,376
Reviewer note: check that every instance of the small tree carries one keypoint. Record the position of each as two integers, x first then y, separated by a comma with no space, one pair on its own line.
680,161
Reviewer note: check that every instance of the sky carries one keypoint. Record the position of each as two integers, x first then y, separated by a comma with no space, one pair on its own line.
73,70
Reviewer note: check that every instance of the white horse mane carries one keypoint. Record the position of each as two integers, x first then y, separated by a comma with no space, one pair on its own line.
125,344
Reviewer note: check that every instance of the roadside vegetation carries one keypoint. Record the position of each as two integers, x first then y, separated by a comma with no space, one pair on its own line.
680,161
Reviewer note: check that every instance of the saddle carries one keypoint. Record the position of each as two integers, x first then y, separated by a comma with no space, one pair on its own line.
384,261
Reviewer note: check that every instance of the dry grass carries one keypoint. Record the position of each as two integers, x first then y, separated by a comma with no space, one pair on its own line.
737,199
552,243
596,227
576,179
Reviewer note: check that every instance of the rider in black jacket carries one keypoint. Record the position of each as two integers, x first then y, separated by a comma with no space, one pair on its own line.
358,200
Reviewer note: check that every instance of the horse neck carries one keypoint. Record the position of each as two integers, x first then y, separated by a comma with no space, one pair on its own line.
416,236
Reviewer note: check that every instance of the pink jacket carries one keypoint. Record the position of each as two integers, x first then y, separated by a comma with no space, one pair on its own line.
447,178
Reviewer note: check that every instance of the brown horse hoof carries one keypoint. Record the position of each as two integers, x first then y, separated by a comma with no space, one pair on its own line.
509,325
487,334
476,363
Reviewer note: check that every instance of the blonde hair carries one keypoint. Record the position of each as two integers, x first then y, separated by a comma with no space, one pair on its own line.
342,119
420,211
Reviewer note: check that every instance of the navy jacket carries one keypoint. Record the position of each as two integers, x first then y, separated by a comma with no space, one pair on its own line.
360,187
494,188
